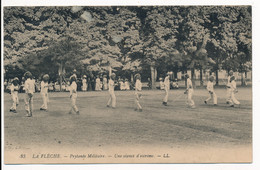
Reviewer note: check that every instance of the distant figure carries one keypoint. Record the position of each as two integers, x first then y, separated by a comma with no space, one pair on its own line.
166,88
233,92
149,83
122,84
14,88
111,87
212,94
74,73
189,92
138,92
57,86
22,90
44,91
51,88
105,87
228,86
5,85
73,95
175,84
29,87
98,84
161,83
63,86
84,83
68,86
127,84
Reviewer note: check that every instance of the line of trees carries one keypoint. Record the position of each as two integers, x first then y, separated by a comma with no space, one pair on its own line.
146,39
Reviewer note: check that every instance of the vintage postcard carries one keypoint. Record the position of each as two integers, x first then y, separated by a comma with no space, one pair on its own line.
86,84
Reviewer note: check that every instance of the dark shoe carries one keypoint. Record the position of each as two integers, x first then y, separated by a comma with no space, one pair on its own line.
108,106
215,104
77,112
14,111
164,103
205,102
227,102
140,110
136,109
232,106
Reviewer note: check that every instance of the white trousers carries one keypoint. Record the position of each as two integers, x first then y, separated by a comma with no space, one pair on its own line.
165,99
29,103
84,87
15,101
45,99
214,97
190,101
233,99
137,99
229,91
73,102
112,99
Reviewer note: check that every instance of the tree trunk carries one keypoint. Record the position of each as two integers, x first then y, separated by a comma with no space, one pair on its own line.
132,77
242,79
155,74
153,78
192,77
175,74
201,77
183,73
60,74
216,77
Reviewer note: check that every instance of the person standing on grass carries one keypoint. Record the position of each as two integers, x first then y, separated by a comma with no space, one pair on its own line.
73,94
44,91
14,88
138,92
212,94
189,92
105,82
111,87
161,83
166,88
29,87
98,84
84,83
228,86
233,91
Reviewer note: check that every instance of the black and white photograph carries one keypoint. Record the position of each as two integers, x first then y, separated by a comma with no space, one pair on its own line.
107,84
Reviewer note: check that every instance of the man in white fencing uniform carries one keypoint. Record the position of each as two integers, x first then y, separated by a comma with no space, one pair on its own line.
111,87
212,94
44,92
166,88
189,92
233,91
228,86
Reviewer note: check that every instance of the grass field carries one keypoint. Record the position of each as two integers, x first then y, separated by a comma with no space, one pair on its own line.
158,126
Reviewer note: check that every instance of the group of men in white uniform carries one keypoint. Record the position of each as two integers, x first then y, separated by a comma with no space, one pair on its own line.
231,90
30,84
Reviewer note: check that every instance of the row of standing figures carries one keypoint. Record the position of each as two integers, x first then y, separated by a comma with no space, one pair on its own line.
30,89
